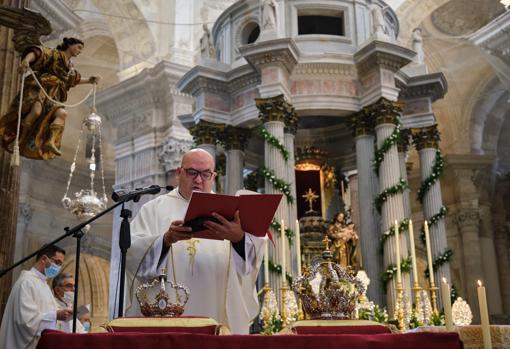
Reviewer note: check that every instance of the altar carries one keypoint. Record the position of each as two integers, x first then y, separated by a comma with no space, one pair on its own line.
131,340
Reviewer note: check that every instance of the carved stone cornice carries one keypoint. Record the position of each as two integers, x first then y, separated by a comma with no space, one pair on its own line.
468,218
235,138
384,111
206,132
279,51
432,86
274,109
323,69
405,140
362,123
426,137
381,54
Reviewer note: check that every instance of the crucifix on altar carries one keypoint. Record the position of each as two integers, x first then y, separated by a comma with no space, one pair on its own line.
310,197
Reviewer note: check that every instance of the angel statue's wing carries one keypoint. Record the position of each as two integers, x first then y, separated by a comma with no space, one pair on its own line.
28,26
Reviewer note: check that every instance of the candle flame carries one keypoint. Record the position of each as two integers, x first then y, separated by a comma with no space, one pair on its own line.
479,283
444,280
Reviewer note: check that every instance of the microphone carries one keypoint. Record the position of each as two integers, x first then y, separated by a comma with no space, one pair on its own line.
125,195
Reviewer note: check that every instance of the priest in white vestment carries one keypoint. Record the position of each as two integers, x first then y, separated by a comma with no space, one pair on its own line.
63,289
221,274
31,307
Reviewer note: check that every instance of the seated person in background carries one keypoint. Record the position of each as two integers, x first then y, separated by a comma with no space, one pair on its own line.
220,274
84,317
63,289
31,307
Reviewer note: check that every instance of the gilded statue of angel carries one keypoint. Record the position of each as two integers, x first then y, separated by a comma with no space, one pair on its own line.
42,114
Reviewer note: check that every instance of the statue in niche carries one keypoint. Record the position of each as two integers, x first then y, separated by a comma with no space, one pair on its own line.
206,45
345,241
42,120
379,29
268,14
418,46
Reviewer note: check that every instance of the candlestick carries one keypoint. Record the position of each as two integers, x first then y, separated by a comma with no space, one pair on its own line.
283,238
397,252
433,287
400,307
298,249
484,316
266,263
413,252
447,305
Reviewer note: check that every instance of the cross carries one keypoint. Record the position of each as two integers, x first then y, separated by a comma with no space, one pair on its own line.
326,241
310,197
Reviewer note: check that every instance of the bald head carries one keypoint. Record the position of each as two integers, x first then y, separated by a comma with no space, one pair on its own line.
196,172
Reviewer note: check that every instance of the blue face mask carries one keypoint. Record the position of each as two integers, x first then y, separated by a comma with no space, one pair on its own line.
86,326
52,270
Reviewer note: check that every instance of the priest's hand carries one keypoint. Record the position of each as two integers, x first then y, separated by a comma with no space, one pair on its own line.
176,232
64,314
228,230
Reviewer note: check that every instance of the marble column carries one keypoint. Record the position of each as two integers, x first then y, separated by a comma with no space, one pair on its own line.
403,149
234,140
9,176
468,222
427,143
386,114
369,228
289,136
503,257
489,261
272,114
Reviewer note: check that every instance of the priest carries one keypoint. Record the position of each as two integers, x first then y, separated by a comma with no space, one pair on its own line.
220,274
63,289
31,307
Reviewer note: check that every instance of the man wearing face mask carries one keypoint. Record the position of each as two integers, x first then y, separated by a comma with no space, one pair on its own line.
31,307
63,289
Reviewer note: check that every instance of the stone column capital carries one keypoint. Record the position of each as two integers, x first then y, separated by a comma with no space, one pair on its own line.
384,111
405,140
273,108
291,121
468,218
206,132
362,123
234,138
426,137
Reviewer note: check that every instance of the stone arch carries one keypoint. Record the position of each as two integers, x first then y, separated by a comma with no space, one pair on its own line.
94,281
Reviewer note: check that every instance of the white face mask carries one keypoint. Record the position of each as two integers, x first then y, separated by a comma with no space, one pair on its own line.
68,297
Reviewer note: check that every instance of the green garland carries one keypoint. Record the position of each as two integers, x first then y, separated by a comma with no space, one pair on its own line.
277,268
380,199
433,221
269,138
279,184
389,142
289,233
437,171
391,270
403,226
440,260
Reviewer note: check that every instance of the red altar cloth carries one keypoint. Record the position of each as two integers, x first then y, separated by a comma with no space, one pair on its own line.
129,340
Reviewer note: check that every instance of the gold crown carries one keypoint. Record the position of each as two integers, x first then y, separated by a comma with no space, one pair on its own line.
311,155
327,290
154,300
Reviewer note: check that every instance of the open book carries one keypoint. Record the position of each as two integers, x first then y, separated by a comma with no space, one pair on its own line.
255,211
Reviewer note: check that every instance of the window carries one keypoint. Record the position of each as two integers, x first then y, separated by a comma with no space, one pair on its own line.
310,23
250,33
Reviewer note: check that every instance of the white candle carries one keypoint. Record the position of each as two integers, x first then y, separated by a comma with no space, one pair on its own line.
484,316
429,255
298,249
266,262
343,192
397,252
447,305
413,252
283,238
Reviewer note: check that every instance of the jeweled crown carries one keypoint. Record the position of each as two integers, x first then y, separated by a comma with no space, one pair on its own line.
154,299
327,290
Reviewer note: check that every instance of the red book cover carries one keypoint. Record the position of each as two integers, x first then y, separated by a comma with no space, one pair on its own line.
255,211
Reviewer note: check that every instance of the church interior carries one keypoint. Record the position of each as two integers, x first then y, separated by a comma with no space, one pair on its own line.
364,114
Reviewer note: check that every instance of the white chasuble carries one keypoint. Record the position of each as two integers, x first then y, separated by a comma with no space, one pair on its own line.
222,284
30,309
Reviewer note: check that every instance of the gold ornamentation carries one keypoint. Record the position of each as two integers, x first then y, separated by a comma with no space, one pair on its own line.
192,251
327,290
154,300
310,197
345,241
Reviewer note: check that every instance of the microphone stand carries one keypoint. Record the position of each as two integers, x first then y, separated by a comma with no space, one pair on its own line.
77,232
